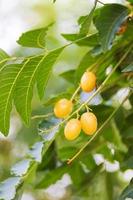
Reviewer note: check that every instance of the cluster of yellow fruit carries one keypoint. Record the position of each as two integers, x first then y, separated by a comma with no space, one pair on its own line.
87,121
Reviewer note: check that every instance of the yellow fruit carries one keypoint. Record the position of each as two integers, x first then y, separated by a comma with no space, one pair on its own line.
88,81
88,123
63,108
72,129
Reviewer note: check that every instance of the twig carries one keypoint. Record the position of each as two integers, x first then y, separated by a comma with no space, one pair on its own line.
41,116
75,93
100,2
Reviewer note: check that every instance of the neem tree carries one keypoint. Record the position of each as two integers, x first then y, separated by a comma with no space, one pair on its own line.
106,126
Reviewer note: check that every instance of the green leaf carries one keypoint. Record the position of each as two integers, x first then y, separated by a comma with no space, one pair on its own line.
69,75
131,1
88,161
36,68
77,173
129,68
108,24
52,176
128,133
100,192
127,192
49,124
3,55
85,21
127,163
45,70
54,99
106,152
91,40
117,137
34,38
66,152
87,60
23,169
3,59
48,136
36,151
8,77
24,87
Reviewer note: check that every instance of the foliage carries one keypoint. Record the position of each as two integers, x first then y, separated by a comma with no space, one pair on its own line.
113,140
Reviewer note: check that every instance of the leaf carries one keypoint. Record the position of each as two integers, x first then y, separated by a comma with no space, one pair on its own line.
54,99
36,151
91,40
45,70
8,77
24,87
66,152
127,163
89,162
3,55
34,38
68,75
3,58
108,24
129,68
21,168
85,21
106,152
77,173
101,192
8,188
127,192
49,124
131,1
52,176
102,112
85,63
24,168
52,129
128,133
117,138
36,68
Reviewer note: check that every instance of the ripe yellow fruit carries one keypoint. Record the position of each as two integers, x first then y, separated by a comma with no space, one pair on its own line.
88,81
63,108
88,123
72,129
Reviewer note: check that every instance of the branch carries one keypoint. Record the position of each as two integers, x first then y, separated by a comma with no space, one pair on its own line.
93,95
97,132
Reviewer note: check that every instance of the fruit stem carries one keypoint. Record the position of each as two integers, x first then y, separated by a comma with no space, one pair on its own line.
78,115
87,108
75,93
97,132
